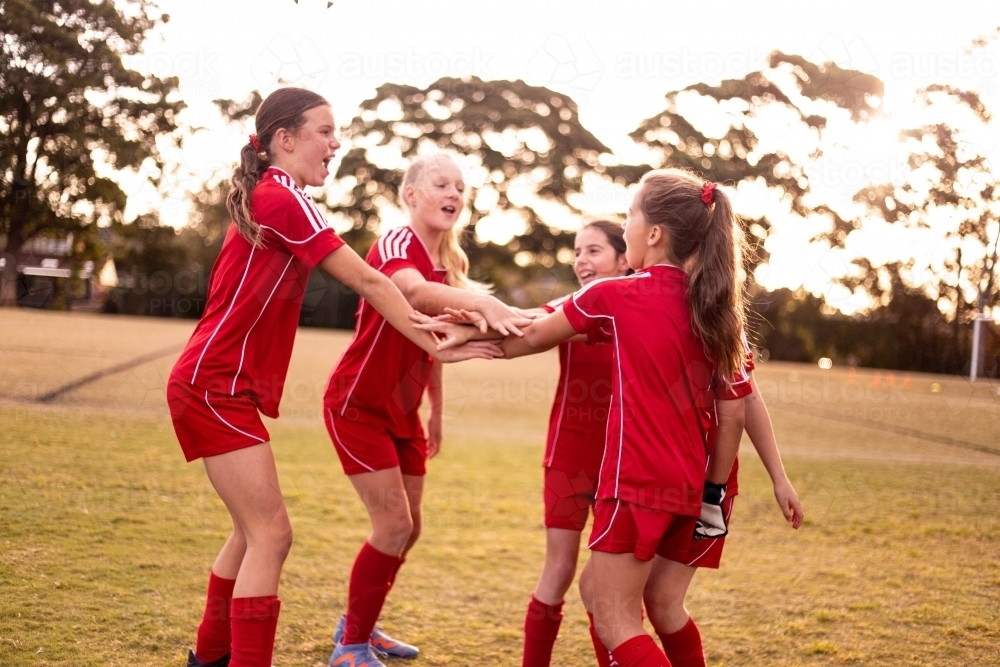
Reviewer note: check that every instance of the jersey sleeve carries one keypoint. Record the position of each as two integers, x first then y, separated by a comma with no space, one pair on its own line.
555,304
291,219
740,388
589,310
394,251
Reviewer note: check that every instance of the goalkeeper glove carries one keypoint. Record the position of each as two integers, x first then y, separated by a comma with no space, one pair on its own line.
712,522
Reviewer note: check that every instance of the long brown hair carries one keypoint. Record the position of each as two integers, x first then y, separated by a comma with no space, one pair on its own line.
707,241
452,256
284,108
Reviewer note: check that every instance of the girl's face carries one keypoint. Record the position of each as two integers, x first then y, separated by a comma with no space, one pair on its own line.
596,257
636,234
438,199
306,154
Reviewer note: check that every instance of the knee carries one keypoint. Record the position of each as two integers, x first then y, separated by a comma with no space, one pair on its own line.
397,532
563,570
281,538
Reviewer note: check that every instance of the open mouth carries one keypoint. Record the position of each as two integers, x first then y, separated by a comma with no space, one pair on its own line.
450,210
585,276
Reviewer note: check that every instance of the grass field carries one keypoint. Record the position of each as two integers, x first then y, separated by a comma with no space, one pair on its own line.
106,535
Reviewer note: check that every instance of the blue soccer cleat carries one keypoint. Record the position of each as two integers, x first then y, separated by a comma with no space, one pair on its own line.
384,645
354,655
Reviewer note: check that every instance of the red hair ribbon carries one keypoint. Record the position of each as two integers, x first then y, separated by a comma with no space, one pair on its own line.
255,142
708,192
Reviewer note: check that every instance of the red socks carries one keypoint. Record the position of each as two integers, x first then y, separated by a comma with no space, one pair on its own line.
254,621
392,579
600,650
541,627
214,638
684,646
371,579
640,651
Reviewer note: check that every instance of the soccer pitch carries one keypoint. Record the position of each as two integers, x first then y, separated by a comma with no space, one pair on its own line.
107,536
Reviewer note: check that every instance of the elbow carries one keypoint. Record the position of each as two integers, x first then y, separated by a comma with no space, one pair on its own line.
532,339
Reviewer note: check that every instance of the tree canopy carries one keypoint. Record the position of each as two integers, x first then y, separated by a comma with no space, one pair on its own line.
68,105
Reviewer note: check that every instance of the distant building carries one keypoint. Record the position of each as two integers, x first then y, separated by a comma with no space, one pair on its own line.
44,269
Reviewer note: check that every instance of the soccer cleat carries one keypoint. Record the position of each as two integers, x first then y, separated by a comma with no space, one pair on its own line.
354,655
384,645
193,661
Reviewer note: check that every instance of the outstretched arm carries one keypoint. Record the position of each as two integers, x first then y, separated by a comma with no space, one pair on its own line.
758,426
345,265
433,298
542,334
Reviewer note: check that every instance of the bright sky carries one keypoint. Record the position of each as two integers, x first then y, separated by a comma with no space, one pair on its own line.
617,60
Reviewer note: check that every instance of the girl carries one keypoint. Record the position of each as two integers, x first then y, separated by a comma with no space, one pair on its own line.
235,363
672,330
670,578
373,396
575,444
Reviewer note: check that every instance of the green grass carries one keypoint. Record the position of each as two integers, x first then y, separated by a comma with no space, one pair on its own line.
106,535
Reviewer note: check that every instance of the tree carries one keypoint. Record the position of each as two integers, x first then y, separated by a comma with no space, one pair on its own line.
951,188
737,154
529,146
67,102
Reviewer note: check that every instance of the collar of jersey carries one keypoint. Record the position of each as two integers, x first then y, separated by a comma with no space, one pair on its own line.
279,169
665,266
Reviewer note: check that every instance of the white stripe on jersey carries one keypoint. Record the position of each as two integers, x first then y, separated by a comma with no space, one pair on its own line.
387,248
618,362
224,317
243,351
312,214
555,304
364,363
288,240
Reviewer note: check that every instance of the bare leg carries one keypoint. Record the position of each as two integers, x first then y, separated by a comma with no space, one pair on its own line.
664,595
227,563
247,482
414,487
618,582
562,548
384,496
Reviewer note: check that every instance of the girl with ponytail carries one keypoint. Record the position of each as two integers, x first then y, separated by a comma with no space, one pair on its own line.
372,401
233,367
675,327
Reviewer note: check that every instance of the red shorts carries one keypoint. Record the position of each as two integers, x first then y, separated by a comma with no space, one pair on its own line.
208,423
621,527
707,552
366,448
568,499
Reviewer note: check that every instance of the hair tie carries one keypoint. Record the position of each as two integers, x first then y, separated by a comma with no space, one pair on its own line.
708,192
255,142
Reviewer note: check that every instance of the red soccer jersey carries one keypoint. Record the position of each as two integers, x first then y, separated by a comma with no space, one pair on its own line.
579,420
382,376
243,342
662,398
